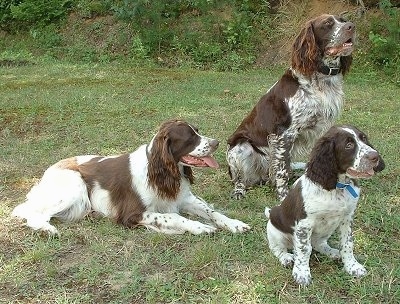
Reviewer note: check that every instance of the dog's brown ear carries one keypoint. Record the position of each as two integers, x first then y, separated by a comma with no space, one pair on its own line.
163,172
305,51
345,63
322,167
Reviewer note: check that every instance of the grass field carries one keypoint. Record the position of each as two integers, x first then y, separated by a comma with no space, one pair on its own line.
52,111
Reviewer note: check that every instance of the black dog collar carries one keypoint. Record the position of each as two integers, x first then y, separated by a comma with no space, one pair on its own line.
324,69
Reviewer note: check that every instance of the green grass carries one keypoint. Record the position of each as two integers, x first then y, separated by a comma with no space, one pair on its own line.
51,111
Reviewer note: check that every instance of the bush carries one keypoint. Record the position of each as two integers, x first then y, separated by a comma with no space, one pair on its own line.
23,14
201,31
93,8
385,40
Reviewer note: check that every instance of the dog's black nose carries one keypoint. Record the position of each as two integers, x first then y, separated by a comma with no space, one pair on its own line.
373,156
214,143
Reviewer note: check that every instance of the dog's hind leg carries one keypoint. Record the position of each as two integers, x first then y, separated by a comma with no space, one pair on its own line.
247,168
322,247
60,193
279,243
235,158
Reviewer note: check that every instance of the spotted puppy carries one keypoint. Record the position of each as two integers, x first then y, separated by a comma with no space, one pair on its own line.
322,200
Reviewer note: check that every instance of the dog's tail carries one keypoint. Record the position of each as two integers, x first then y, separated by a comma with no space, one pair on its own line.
266,212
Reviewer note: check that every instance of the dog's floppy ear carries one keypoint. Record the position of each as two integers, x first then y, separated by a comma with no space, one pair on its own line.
163,172
345,63
305,51
322,167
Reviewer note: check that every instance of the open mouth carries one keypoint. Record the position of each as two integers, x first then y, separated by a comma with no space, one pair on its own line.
352,173
345,47
205,161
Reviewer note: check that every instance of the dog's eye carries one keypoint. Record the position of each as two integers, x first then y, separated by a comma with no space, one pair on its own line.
349,145
363,137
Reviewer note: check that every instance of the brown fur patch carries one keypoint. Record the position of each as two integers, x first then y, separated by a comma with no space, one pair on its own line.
291,210
68,163
269,116
113,175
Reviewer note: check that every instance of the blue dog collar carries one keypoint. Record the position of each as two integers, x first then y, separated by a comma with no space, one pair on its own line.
348,187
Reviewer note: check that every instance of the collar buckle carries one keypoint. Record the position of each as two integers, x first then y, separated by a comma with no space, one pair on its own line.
347,187
326,70
334,71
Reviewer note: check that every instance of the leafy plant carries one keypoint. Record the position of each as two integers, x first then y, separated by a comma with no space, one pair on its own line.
38,12
385,40
93,8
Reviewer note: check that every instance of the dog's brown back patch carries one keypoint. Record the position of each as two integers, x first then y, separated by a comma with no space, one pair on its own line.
291,210
112,174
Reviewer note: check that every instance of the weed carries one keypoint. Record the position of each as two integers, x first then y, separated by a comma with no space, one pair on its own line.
385,40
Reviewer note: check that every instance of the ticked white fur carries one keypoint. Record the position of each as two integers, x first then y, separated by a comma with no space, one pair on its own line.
326,212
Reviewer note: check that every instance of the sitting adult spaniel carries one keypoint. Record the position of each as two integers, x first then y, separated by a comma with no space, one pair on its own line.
296,111
148,187
322,200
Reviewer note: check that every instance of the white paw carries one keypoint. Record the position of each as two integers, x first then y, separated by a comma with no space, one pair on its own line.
266,212
356,270
50,229
199,228
298,166
302,276
236,226
43,226
334,254
238,194
286,259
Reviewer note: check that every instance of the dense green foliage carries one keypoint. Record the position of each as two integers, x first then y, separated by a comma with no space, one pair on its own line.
385,39
23,14
222,35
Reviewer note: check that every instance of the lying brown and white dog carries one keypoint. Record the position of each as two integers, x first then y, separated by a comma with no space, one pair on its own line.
322,200
148,187
298,109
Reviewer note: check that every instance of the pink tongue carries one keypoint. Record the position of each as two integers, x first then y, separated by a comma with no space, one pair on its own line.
337,49
332,51
211,162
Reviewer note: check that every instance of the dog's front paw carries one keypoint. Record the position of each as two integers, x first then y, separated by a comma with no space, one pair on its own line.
52,230
238,194
356,270
199,228
286,259
43,226
334,254
302,276
236,226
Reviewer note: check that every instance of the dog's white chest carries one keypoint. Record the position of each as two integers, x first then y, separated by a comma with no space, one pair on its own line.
314,108
327,209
